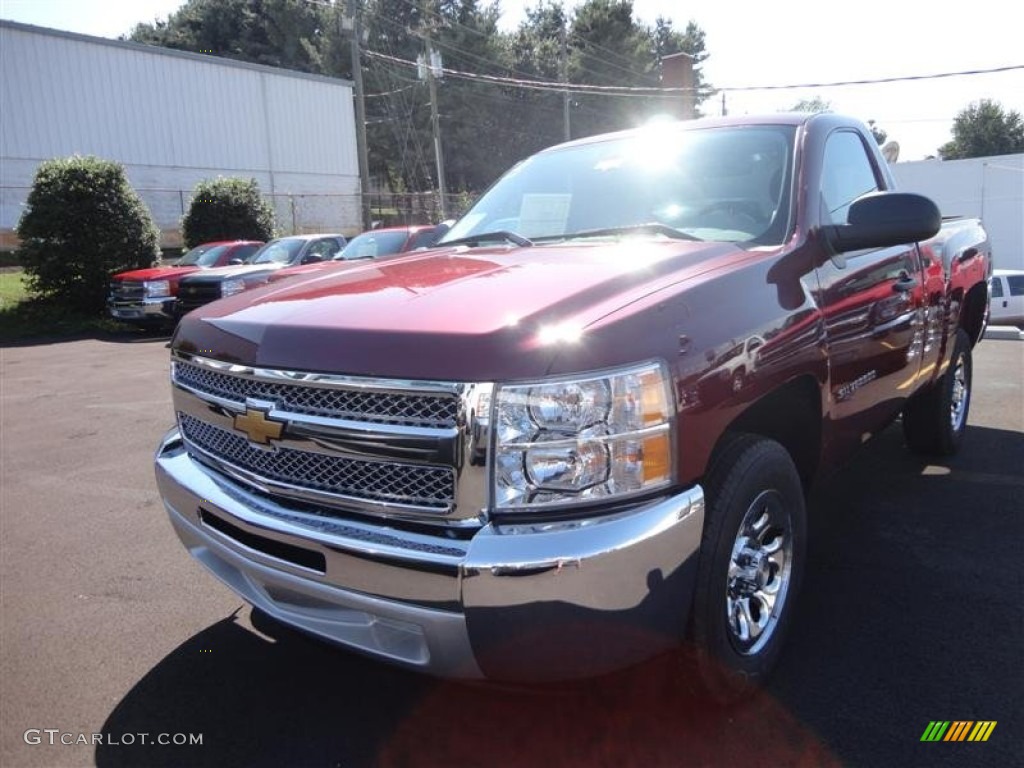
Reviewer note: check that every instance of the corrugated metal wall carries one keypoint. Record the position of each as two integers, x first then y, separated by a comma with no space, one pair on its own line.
172,119
989,188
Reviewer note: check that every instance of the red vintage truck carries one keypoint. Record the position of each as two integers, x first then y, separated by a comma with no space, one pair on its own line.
579,431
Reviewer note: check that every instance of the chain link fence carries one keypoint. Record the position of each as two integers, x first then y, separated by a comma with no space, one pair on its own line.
293,214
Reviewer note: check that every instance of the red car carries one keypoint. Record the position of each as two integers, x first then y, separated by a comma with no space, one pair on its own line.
146,296
373,244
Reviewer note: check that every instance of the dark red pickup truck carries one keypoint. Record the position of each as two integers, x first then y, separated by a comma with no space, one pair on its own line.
578,432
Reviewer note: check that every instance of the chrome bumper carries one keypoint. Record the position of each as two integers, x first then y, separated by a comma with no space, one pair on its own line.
523,602
142,310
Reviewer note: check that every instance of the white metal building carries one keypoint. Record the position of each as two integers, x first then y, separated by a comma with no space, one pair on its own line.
173,118
989,188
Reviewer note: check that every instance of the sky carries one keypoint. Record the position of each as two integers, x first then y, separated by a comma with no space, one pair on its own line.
786,42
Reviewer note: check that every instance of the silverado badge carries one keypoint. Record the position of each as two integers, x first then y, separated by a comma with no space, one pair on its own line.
257,427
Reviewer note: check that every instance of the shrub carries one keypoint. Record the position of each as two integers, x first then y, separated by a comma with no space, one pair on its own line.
83,222
227,209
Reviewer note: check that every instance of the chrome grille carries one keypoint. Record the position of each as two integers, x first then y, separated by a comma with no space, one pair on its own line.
408,409
426,486
126,290
197,293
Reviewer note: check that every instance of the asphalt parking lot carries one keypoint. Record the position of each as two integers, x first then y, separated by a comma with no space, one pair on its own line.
912,611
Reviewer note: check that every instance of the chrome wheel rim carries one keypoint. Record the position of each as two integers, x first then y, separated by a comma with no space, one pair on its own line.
759,573
958,399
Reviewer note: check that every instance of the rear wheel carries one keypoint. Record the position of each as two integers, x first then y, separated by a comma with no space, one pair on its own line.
934,420
751,564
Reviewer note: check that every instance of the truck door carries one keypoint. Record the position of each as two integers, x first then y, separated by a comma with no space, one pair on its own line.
872,301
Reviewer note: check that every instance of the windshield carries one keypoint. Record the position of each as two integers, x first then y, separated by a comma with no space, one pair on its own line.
278,251
202,256
725,184
369,245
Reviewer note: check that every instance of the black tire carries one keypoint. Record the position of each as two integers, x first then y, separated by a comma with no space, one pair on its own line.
934,421
748,473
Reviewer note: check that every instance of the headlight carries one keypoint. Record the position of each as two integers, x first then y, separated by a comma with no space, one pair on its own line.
582,439
155,289
483,406
232,286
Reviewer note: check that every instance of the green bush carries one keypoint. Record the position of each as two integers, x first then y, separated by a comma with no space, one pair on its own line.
82,223
227,209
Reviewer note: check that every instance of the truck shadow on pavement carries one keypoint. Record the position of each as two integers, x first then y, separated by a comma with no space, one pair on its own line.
284,699
910,612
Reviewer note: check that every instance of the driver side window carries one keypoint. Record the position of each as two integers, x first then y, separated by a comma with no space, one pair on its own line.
847,174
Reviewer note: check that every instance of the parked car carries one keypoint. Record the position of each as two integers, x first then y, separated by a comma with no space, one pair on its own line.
199,289
1007,292
389,240
373,244
627,493
146,296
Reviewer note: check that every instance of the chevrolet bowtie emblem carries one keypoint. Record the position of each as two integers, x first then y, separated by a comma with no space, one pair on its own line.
257,427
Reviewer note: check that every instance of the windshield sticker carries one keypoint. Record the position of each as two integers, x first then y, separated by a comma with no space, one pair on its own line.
544,214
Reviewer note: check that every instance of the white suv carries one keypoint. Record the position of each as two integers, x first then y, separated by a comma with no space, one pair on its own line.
1007,292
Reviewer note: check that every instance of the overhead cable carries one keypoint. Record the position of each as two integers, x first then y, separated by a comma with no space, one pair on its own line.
548,85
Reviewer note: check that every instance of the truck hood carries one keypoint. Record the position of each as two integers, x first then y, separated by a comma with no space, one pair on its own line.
154,273
237,270
309,269
454,314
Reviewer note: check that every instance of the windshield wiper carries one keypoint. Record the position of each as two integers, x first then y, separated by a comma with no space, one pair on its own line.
498,236
651,228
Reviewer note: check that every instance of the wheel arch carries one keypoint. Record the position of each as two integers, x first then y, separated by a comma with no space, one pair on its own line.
972,314
791,416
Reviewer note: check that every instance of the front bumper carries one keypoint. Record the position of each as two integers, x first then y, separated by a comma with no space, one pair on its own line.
142,310
515,602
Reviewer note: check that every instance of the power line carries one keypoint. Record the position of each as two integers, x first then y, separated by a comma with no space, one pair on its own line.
388,93
450,46
584,44
547,85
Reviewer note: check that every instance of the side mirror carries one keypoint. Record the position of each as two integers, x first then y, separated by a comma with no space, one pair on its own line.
883,219
235,262
311,258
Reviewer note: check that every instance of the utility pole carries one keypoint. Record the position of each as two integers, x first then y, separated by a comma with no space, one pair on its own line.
433,71
360,103
565,79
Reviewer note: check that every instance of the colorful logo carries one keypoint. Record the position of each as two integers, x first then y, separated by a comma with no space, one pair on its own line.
958,730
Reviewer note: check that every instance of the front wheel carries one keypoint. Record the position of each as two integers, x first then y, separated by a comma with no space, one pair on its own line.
934,421
751,564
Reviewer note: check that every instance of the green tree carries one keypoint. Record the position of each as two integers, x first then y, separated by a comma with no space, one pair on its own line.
399,143
278,33
879,134
983,129
485,127
82,223
813,105
468,41
609,48
534,118
227,209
